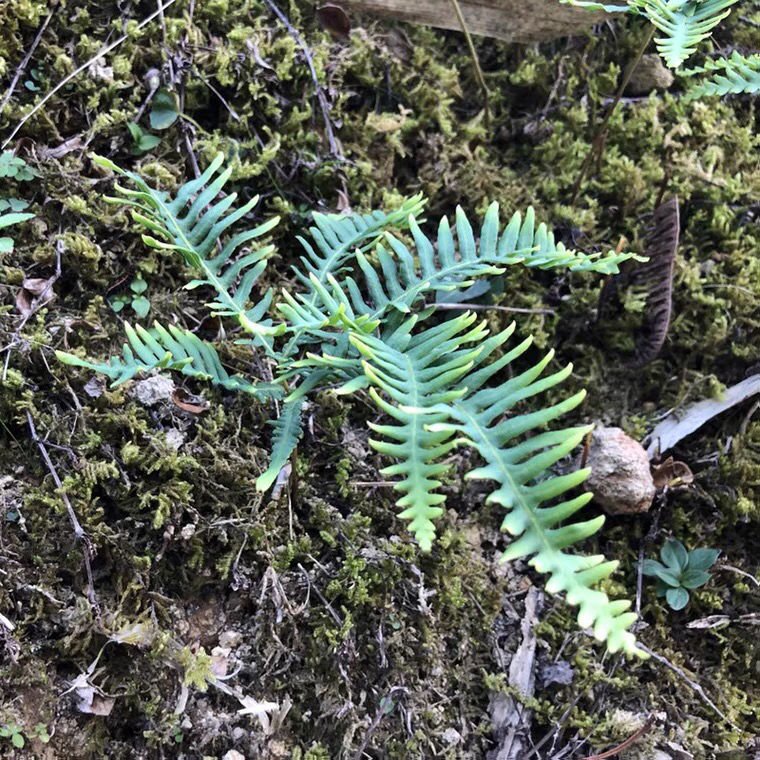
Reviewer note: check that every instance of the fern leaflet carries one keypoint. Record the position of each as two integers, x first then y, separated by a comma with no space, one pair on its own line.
169,348
192,224
729,76
418,373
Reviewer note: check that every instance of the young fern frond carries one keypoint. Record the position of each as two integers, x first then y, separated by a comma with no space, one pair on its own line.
169,348
418,373
287,432
192,223
728,76
337,238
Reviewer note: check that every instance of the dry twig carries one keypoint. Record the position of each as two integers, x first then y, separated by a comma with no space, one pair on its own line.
88,550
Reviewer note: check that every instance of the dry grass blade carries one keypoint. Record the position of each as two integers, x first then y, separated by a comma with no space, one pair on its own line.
656,275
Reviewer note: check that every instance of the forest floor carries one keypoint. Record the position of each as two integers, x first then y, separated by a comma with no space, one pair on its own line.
318,601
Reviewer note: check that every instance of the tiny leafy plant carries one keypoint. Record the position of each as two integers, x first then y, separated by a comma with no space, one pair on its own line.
362,319
13,732
135,298
11,212
680,571
142,142
13,167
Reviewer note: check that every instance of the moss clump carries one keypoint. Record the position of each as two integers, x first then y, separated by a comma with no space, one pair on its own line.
337,613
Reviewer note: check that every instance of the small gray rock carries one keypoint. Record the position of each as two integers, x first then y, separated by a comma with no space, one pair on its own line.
650,74
152,390
620,478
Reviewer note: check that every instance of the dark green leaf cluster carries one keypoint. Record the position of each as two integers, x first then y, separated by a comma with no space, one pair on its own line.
679,571
362,320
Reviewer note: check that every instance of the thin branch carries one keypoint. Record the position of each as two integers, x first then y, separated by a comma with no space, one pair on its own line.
22,66
103,51
475,64
627,743
317,87
598,142
486,307
87,547
693,685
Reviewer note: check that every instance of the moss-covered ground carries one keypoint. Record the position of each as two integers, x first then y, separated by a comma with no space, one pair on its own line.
323,602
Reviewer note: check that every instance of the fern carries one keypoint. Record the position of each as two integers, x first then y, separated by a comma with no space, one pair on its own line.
524,485
192,225
450,264
173,349
684,23
418,373
361,323
728,76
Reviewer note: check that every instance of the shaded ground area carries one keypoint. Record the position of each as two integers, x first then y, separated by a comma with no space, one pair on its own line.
318,601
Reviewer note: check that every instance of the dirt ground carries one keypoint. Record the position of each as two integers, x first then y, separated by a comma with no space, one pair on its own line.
317,600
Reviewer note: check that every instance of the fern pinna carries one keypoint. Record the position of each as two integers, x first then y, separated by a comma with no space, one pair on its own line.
682,23
361,322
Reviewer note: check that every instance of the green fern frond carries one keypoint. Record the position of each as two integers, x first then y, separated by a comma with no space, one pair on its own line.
402,277
337,238
192,224
685,24
418,373
526,488
15,216
287,432
729,76
169,348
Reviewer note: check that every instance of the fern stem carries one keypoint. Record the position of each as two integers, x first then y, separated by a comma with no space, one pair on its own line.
475,64
597,144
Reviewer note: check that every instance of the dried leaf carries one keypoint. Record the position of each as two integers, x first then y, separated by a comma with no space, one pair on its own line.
93,703
34,293
671,474
657,275
72,144
334,19
188,402
685,421
138,634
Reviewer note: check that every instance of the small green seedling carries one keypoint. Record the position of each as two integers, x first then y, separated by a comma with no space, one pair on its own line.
139,303
680,571
12,731
14,167
142,142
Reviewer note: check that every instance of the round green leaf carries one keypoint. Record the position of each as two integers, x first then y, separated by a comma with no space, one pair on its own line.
141,305
669,577
673,554
693,578
17,741
163,112
651,567
677,598
702,559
